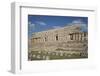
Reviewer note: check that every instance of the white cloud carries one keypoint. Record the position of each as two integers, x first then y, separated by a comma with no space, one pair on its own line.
77,21
80,22
55,27
41,23
83,25
31,24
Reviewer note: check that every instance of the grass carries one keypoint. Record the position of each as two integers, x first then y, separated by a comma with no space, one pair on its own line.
43,55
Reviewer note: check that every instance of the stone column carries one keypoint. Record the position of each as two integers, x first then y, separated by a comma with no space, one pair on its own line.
79,37
82,36
76,36
73,35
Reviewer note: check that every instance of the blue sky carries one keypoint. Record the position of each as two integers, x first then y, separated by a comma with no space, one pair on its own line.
37,23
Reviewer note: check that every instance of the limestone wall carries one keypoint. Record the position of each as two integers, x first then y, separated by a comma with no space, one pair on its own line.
69,38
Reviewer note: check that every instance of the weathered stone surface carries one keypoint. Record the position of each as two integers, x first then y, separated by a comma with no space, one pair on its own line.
69,40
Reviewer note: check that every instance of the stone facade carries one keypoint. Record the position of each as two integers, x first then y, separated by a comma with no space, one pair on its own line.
67,39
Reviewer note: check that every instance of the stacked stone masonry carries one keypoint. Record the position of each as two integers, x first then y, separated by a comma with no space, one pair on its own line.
68,38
